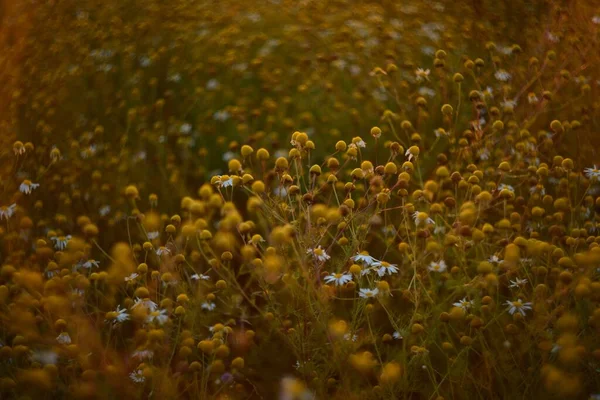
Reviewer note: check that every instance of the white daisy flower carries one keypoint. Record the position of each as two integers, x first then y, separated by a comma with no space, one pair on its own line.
153,235
503,186
162,250
422,218
368,293
464,304
517,306
384,267
137,376
422,74
517,283
198,277
364,259
494,259
208,306
104,211
159,316
221,115
360,143
502,75
7,211
437,266
146,303
318,253
90,263
60,242
185,128
592,173
27,186
143,355
63,338
131,277
227,183
351,337
122,315
338,279
397,335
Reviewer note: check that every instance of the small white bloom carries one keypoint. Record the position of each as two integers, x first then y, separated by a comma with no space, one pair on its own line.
422,74
122,315
63,338
502,75
197,277
90,263
338,279
494,259
384,268
351,337
27,186
364,259
60,242
185,128
153,235
131,277
212,84
104,211
517,283
137,376
592,173
464,304
7,211
397,335
517,306
368,293
146,303
158,316
143,355
162,250
439,266
503,186
221,115
421,218
319,253
439,230
208,306
360,143
532,98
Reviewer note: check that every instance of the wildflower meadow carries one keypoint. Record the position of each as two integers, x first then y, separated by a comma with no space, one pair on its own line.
299,199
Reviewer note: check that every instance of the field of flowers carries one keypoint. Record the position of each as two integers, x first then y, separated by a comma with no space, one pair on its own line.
299,199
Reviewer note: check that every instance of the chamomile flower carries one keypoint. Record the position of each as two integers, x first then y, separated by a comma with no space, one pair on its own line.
319,254
422,218
104,211
339,279
517,306
137,376
160,317
146,303
61,242
7,211
517,283
27,186
131,277
90,263
208,306
464,304
198,277
384,267
351,337
63,338
122,315
162,251
368,293
592,173
153,235
494,259
437,266
422,74
397,335
364,259
502,75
